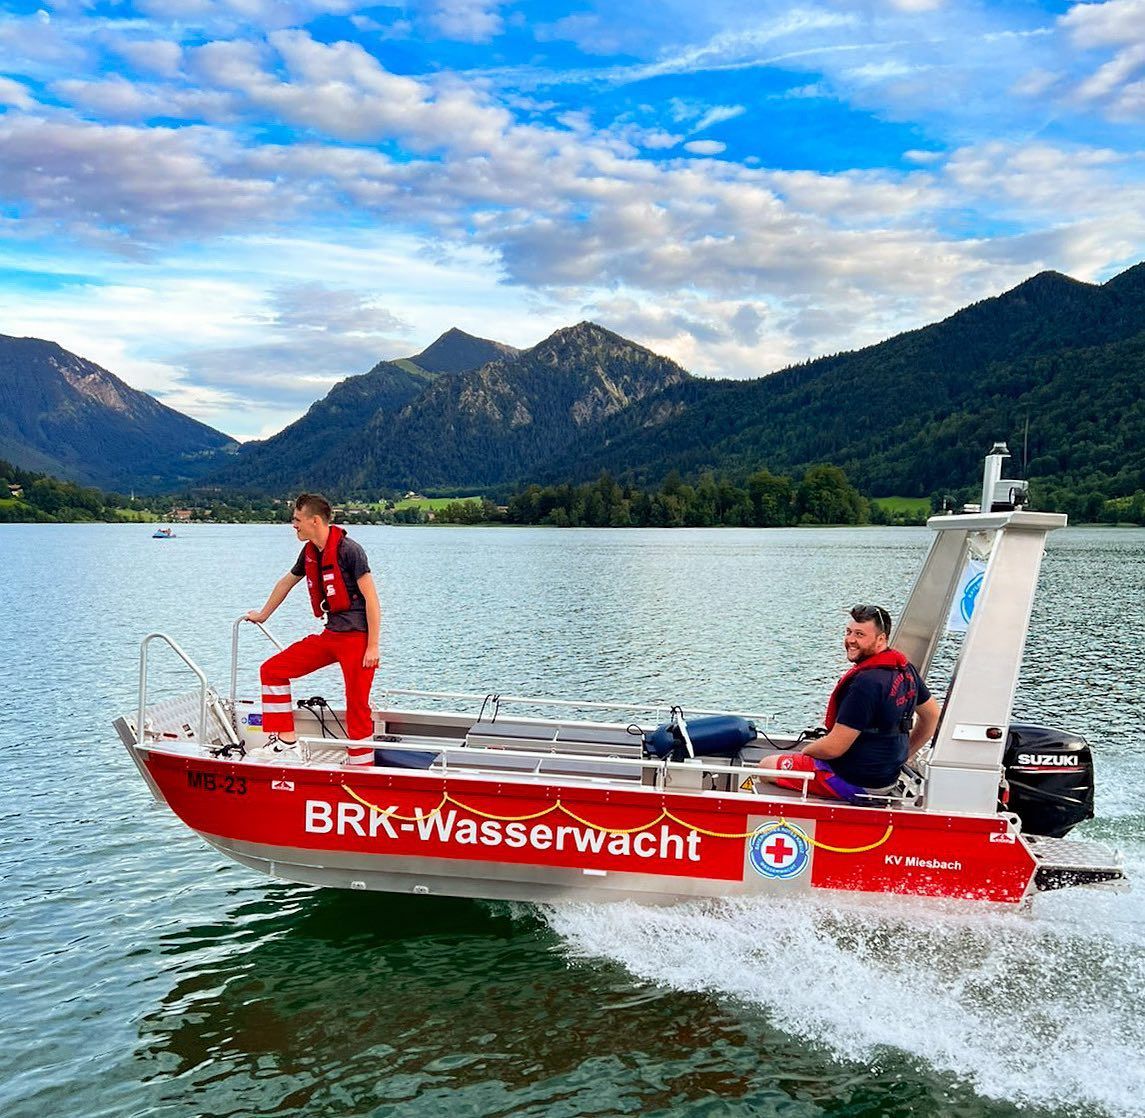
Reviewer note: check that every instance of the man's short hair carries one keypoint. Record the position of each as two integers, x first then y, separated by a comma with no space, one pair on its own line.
314,504
877,614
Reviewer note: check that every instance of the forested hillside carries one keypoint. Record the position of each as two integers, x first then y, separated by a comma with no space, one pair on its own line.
67,416
915,414
1055,367
505,420
301,454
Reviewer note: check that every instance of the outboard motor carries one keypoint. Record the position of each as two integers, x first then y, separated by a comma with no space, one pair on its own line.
1049,774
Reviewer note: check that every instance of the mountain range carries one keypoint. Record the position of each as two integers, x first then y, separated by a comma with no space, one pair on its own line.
337,428
65,416
1055,366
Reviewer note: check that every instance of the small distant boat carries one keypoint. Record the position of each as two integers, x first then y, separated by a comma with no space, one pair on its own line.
163,534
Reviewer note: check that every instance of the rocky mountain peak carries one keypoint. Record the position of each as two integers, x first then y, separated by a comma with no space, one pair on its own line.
69,417
457,352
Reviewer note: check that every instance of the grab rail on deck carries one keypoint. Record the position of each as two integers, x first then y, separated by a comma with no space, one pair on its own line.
656,706
143,684
235,653
445,747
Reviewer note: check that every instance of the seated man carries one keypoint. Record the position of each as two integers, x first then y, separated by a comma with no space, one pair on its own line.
869,718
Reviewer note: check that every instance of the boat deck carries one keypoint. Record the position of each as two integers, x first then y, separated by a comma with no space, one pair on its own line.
528,749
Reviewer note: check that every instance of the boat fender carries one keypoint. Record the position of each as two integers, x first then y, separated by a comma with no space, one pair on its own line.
717,735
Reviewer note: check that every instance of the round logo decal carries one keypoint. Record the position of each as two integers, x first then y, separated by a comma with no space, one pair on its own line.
778,850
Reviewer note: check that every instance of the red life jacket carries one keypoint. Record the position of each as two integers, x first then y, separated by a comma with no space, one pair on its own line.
328,590
888,658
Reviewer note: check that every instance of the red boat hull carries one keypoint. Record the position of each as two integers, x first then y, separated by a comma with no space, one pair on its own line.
628,840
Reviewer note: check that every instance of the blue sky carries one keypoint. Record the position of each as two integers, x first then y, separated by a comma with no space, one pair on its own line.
233,204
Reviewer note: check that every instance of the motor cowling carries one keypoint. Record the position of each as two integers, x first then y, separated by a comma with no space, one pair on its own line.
1049,778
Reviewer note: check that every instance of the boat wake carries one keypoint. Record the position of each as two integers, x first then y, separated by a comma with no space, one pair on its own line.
1038,1010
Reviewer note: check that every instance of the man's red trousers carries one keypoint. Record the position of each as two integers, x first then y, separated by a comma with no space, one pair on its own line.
306,656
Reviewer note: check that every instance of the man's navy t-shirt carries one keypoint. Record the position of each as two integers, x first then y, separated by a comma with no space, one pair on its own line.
353,562
875,703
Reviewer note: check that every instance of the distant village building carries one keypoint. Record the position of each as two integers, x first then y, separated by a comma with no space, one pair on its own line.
16,491
181,514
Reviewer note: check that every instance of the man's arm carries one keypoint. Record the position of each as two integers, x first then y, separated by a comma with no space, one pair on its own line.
925,723
834,743
373,619
281,588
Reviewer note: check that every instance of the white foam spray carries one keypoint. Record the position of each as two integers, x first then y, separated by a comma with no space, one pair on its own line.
1042,1009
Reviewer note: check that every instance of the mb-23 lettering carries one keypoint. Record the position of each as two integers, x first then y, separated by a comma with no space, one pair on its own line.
211,782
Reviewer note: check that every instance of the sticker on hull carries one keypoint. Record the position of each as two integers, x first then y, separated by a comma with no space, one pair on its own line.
779,851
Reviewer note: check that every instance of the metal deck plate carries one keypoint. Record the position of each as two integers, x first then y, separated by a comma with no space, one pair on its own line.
177,719
1073,854
1064,863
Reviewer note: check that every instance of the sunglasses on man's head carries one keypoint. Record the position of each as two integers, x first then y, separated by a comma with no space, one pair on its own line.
877,614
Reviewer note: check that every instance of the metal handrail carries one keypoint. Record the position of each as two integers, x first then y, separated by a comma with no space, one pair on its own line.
446,746
203,685
657,705
235,652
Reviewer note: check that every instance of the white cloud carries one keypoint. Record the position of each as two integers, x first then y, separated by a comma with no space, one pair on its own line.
116,98
265,14
698,115
914,5
39,47
129,185
1115,23
717,115
1042,181
470,21
588,30
705,147
1035,84
729,268
160,57
705,336
808,92
1117,85
315,307
15,94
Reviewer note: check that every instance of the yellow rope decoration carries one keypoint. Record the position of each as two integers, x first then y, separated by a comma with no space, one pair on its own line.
612,830
446,798
506,818
718,834
841,849
388,813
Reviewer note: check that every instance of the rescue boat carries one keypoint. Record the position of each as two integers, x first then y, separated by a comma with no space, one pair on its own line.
514,797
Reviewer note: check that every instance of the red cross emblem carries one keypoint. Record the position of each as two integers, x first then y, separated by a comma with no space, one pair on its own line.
779,852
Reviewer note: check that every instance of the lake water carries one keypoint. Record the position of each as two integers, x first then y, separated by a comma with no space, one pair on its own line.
144,975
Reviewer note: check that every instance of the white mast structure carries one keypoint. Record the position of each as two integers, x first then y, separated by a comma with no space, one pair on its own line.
965,764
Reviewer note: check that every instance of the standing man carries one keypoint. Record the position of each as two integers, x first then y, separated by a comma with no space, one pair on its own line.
342,590
879,714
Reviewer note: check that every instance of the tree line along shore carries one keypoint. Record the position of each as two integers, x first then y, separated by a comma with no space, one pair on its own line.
821,496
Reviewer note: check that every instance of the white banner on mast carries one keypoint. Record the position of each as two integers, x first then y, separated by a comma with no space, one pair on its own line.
962,608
